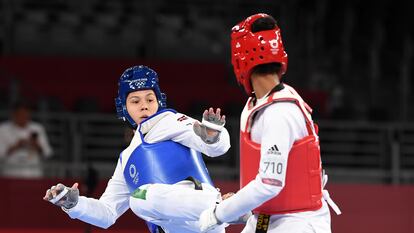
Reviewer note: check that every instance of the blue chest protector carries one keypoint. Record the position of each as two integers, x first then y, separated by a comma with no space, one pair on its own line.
164,162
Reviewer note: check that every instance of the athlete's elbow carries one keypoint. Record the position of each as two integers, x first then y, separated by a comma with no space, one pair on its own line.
107,224
224,149
271,187
276,191
110,220
214,154
218,151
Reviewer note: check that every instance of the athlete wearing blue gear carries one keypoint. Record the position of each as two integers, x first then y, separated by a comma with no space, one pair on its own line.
161,175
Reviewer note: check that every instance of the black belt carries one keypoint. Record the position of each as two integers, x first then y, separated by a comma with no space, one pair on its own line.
262,224
160,230
197,183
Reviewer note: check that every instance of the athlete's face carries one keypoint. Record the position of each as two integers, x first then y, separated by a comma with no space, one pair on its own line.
141,105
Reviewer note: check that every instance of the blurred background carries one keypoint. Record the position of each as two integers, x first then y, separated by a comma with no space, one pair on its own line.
350,60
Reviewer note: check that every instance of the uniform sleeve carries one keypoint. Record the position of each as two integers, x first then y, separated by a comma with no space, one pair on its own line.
281,126
4,142
105,211
44,142
179,128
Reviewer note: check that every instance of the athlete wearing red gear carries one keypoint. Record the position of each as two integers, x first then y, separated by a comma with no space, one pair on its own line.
280,167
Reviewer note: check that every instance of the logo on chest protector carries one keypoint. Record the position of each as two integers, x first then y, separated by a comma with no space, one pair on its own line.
133,173
273,150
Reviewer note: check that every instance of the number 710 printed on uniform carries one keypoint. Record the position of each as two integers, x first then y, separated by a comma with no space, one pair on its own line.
272,166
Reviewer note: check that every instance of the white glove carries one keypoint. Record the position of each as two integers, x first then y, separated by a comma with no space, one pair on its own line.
211,126
208,220
63,196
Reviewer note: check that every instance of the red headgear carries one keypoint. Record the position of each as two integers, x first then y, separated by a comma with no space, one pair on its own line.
250,49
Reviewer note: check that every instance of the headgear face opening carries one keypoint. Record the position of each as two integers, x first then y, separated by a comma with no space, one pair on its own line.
134,79
250,49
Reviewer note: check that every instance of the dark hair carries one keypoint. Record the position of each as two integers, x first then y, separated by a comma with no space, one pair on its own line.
264,24
269,68
19,104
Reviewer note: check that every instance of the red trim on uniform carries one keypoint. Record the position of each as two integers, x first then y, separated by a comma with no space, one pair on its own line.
274,182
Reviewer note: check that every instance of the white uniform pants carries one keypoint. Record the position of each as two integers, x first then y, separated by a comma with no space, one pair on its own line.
176,208
318,221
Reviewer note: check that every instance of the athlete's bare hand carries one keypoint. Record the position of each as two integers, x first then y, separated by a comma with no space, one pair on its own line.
227,195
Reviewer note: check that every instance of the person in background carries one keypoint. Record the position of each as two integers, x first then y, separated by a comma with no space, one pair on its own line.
23,144
281,172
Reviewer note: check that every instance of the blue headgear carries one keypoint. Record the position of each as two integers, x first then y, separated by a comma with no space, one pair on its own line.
134,79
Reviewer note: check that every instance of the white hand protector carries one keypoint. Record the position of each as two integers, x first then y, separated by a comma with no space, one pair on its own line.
208,220
211,126
63,196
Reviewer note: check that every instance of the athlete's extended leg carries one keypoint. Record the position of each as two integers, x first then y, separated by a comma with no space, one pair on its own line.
180,201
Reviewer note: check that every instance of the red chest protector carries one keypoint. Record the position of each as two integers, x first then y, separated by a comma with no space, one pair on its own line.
303,188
